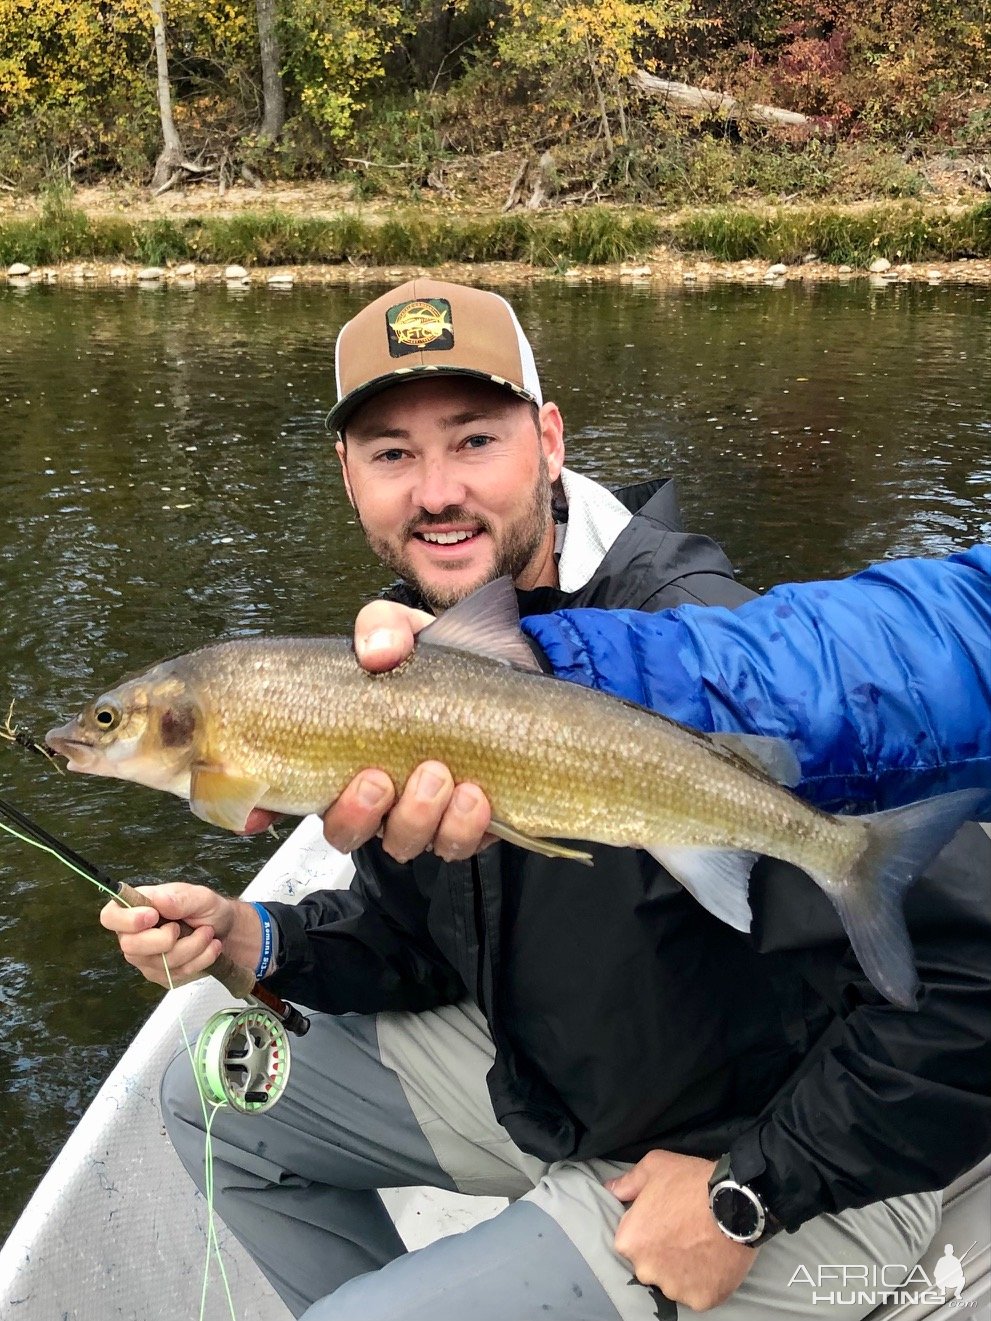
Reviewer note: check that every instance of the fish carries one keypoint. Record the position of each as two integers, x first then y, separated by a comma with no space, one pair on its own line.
284,724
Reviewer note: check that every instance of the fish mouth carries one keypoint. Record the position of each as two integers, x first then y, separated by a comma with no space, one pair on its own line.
79,754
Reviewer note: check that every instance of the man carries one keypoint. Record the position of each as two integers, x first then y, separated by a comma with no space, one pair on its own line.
587,1042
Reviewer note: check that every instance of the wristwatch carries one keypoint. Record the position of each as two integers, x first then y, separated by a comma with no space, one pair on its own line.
738,1209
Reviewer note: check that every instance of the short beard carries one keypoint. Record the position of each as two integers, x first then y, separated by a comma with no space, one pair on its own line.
520,543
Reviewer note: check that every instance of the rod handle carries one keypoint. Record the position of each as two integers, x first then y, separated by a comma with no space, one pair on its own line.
239,981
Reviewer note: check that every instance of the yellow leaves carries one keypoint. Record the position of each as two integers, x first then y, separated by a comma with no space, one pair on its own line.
60,52
341,55
16,84
610,32
223,32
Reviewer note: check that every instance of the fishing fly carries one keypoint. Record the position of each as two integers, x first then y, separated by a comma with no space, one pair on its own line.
16,734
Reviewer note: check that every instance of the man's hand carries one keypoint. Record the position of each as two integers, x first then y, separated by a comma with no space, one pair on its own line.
433,812
669,1235
218,922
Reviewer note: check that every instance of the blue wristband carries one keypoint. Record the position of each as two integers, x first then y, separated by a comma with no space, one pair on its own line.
265,958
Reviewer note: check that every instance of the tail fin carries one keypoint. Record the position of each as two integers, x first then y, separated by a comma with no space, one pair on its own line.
901,843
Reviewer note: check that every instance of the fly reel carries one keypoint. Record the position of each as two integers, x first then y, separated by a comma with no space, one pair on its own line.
242,1059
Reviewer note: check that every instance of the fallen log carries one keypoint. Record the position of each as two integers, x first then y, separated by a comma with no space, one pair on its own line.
686,97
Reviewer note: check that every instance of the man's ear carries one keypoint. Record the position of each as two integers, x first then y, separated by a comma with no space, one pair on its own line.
552,439
342,455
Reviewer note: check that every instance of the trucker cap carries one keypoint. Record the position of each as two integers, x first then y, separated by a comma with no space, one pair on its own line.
430,327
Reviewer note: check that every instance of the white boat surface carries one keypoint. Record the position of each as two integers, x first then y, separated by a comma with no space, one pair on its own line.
116,1230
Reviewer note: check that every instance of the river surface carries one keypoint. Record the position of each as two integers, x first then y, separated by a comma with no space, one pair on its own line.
168,479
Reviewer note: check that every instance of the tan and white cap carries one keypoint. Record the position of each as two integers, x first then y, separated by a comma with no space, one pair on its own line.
430,327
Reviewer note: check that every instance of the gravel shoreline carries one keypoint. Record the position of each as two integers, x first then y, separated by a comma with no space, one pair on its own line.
662,268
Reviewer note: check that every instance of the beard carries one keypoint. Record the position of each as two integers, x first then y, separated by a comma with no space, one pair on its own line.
514,548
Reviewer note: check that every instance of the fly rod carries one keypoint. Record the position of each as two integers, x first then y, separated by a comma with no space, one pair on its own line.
241,982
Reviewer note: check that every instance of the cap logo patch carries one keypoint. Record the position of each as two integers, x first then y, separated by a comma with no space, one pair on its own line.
423,323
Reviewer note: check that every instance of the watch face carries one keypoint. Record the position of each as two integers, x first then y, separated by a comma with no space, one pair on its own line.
737,1213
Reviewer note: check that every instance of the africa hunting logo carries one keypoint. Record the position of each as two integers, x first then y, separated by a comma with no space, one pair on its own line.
424,323
893,1283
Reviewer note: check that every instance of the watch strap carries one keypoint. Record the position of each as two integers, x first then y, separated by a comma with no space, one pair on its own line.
722,1171
723,1174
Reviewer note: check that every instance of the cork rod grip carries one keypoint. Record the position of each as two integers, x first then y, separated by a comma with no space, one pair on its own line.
239,981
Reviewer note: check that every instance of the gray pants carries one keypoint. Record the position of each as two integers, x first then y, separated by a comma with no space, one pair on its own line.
399,1100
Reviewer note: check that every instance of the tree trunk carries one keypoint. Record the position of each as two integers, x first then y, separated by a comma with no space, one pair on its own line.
603,112
274,116
172,153
538,178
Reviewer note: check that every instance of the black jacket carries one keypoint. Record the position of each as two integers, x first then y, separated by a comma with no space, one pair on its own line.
625,1017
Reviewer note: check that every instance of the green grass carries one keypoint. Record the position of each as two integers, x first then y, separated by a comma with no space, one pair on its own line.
904,232
907,231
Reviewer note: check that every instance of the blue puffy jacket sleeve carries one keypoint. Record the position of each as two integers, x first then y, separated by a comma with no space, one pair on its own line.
881,681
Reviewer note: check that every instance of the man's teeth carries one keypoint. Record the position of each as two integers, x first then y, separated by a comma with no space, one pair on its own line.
446,538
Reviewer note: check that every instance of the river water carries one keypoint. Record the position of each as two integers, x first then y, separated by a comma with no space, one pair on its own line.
168,479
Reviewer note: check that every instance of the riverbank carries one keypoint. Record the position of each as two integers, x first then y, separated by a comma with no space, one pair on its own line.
283,239
660,268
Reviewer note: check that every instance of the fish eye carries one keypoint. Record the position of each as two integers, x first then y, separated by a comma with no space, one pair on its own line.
107,715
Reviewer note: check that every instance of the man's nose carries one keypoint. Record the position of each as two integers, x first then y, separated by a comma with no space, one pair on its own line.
438,487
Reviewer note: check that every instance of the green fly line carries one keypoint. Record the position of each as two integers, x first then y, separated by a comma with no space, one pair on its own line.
208,1106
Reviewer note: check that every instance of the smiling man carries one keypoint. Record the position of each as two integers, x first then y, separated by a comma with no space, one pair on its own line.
444,475
587,1042
435,473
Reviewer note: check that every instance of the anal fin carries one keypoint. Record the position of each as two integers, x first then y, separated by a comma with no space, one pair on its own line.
223,799
545,846
718,878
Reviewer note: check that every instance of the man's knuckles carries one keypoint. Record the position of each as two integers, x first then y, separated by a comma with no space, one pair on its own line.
654,1161
700,1300
626,1240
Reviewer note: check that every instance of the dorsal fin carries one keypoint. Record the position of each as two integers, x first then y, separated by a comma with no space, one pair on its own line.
486,623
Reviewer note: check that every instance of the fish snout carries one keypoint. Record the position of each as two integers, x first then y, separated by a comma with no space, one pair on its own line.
66,740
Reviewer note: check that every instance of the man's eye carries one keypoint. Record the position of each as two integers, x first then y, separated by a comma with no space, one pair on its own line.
389,456
476,442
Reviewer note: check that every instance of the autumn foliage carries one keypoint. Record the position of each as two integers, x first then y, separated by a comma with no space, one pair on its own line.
409,79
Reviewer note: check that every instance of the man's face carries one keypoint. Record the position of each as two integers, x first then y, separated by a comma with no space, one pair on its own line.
451,482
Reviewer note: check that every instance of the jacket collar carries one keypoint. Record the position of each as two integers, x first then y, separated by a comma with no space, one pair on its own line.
656,500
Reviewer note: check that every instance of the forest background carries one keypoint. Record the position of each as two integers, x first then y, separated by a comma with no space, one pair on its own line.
495,105
415,97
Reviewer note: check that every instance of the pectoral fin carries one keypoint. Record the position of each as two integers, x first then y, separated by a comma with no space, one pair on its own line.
223,799
545,846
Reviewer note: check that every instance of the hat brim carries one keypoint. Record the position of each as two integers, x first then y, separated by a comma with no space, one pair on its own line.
338,416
